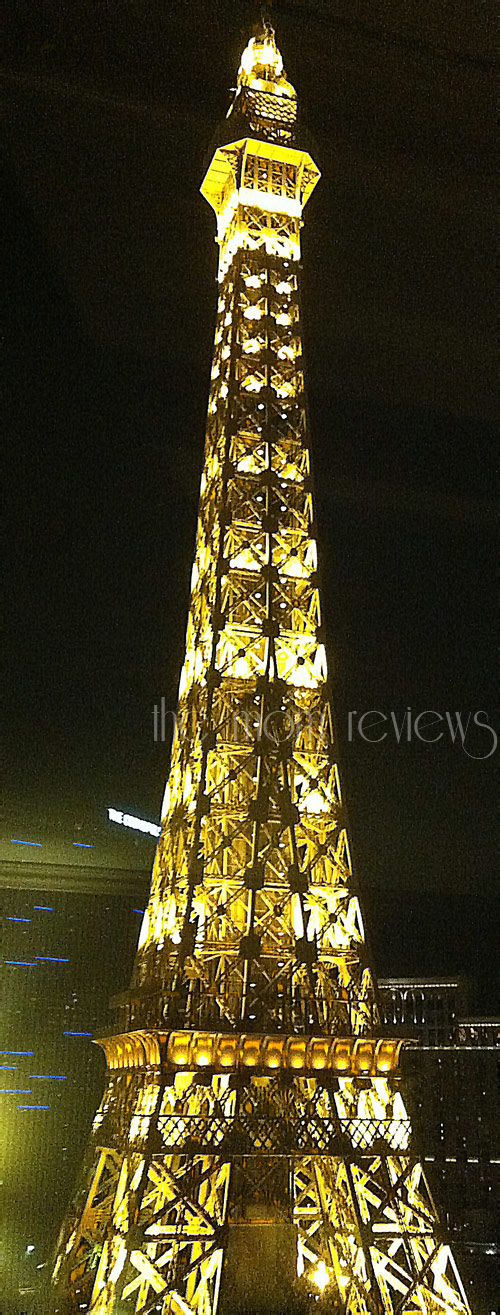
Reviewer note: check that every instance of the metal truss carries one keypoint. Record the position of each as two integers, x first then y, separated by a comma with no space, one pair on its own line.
190,1156
247,1087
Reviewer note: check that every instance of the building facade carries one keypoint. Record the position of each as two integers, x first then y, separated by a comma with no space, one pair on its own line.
454,1088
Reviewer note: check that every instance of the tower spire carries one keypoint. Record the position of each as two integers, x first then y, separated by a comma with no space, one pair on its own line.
253,1147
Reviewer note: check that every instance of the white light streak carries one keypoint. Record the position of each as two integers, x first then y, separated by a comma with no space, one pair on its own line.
134,823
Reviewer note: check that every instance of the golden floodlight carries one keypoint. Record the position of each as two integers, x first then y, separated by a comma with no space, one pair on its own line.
320,1276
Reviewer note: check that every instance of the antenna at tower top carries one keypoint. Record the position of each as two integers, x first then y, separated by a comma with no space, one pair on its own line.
265,18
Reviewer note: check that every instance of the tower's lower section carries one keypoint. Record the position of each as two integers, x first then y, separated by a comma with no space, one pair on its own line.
284,1184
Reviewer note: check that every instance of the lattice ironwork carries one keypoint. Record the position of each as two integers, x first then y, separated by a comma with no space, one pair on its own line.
250,1104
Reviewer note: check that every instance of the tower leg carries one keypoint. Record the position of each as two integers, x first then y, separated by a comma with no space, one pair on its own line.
368,1230
167,1252
252,1196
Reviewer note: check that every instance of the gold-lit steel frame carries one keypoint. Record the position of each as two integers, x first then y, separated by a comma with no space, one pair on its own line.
187,1151
247,1079
253,906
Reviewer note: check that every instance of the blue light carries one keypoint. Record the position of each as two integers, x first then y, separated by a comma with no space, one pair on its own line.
54,1077
19,919
20,963
33,1107
46,908
50,958
79,845
137,910
37,843
16,1091
17,1052
77,1034
11,1067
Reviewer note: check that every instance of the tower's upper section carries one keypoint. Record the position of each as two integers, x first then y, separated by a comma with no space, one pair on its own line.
253,922
264,96
260,177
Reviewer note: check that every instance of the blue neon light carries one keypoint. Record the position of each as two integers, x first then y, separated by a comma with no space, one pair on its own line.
12,1068
19,919
16,1091
78,844
33,1107
46,908
50,958
20,963
137,910
54,1077
77,1033
37,843
17,1052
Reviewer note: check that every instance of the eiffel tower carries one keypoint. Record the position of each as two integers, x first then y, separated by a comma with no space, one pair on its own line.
252,1152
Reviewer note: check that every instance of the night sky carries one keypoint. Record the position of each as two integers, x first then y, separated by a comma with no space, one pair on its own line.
111,294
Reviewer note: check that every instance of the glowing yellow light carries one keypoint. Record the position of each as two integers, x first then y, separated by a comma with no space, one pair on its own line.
315,802
270,201
117,1268
261,53
144,933
70,1241
250,1056
320,1276
179,1049
252,313
145,1268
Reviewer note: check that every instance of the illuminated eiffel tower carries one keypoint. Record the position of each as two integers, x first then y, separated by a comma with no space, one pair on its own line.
252,1152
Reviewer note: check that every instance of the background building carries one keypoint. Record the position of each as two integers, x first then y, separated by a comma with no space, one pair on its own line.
71,899
454,1094
425,1006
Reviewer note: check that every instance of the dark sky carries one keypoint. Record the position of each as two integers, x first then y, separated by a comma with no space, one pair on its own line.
111,265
